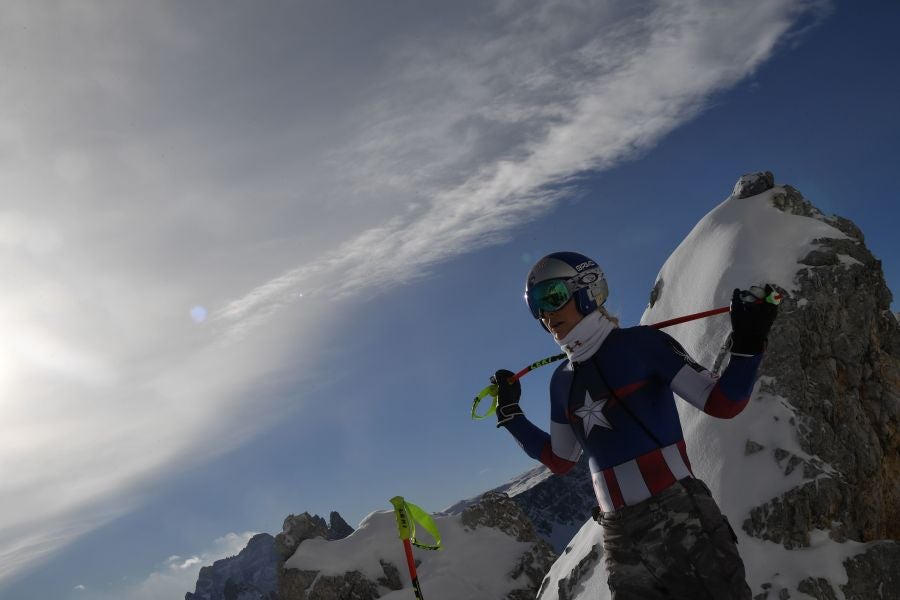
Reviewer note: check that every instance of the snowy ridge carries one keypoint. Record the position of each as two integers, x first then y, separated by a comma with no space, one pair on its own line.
513,487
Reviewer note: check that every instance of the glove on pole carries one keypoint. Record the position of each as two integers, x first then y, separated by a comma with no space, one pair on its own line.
752,313
509,390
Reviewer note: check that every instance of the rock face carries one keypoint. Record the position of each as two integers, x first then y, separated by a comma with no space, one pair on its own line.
291,582
834,355
752,184
297,528
844,385
251,575
502,512
559,505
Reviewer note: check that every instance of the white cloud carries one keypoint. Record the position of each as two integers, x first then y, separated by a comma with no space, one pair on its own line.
187,564
162,165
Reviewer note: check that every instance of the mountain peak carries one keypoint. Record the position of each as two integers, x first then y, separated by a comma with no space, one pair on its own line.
752,184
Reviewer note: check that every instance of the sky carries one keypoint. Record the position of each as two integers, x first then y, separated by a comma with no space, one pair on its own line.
258,260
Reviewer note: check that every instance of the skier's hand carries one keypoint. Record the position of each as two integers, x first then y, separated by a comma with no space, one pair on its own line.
508,395
752,313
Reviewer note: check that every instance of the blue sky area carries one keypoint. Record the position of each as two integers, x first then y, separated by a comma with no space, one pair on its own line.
245,284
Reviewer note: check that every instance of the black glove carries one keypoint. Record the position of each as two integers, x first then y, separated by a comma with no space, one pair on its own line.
508,395
752,313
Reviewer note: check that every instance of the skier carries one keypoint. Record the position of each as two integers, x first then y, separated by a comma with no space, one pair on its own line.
664,535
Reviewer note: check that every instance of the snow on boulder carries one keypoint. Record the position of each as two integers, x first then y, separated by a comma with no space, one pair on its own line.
490,552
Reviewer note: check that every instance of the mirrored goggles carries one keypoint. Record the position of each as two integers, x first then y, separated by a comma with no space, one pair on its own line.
548,296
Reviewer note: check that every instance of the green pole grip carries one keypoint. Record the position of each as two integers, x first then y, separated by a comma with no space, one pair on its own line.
407,515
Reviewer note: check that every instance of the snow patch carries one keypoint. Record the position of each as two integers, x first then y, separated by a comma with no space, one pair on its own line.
785,569
848,261
512,488
592,584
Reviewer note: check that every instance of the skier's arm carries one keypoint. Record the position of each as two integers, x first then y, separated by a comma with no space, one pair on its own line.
558,451
752,313
722,397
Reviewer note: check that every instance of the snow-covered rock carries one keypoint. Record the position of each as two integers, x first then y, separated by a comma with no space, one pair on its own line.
752,184
490,552
809,473
297,528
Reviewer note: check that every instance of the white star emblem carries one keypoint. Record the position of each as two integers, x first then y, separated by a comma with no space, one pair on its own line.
591,414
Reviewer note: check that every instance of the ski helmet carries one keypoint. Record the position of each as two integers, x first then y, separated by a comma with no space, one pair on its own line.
560,276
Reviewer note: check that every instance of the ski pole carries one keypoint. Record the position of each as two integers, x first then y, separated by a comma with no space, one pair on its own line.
417,589
491,390
407,515
699,315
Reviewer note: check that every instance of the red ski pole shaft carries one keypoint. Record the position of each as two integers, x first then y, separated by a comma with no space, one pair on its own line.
412,569
699,315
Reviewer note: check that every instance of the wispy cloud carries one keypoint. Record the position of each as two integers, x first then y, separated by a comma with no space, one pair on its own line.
160,157
616,84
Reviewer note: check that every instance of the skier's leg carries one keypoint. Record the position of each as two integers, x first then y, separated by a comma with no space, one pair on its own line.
684,547
676,546
715,555
629,577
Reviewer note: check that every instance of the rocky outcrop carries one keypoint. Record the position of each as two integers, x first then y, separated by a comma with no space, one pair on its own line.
559,505
834,356
844,386
297,528
309,585
502,512
292,583
874,574
752,184
251,575
338,528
